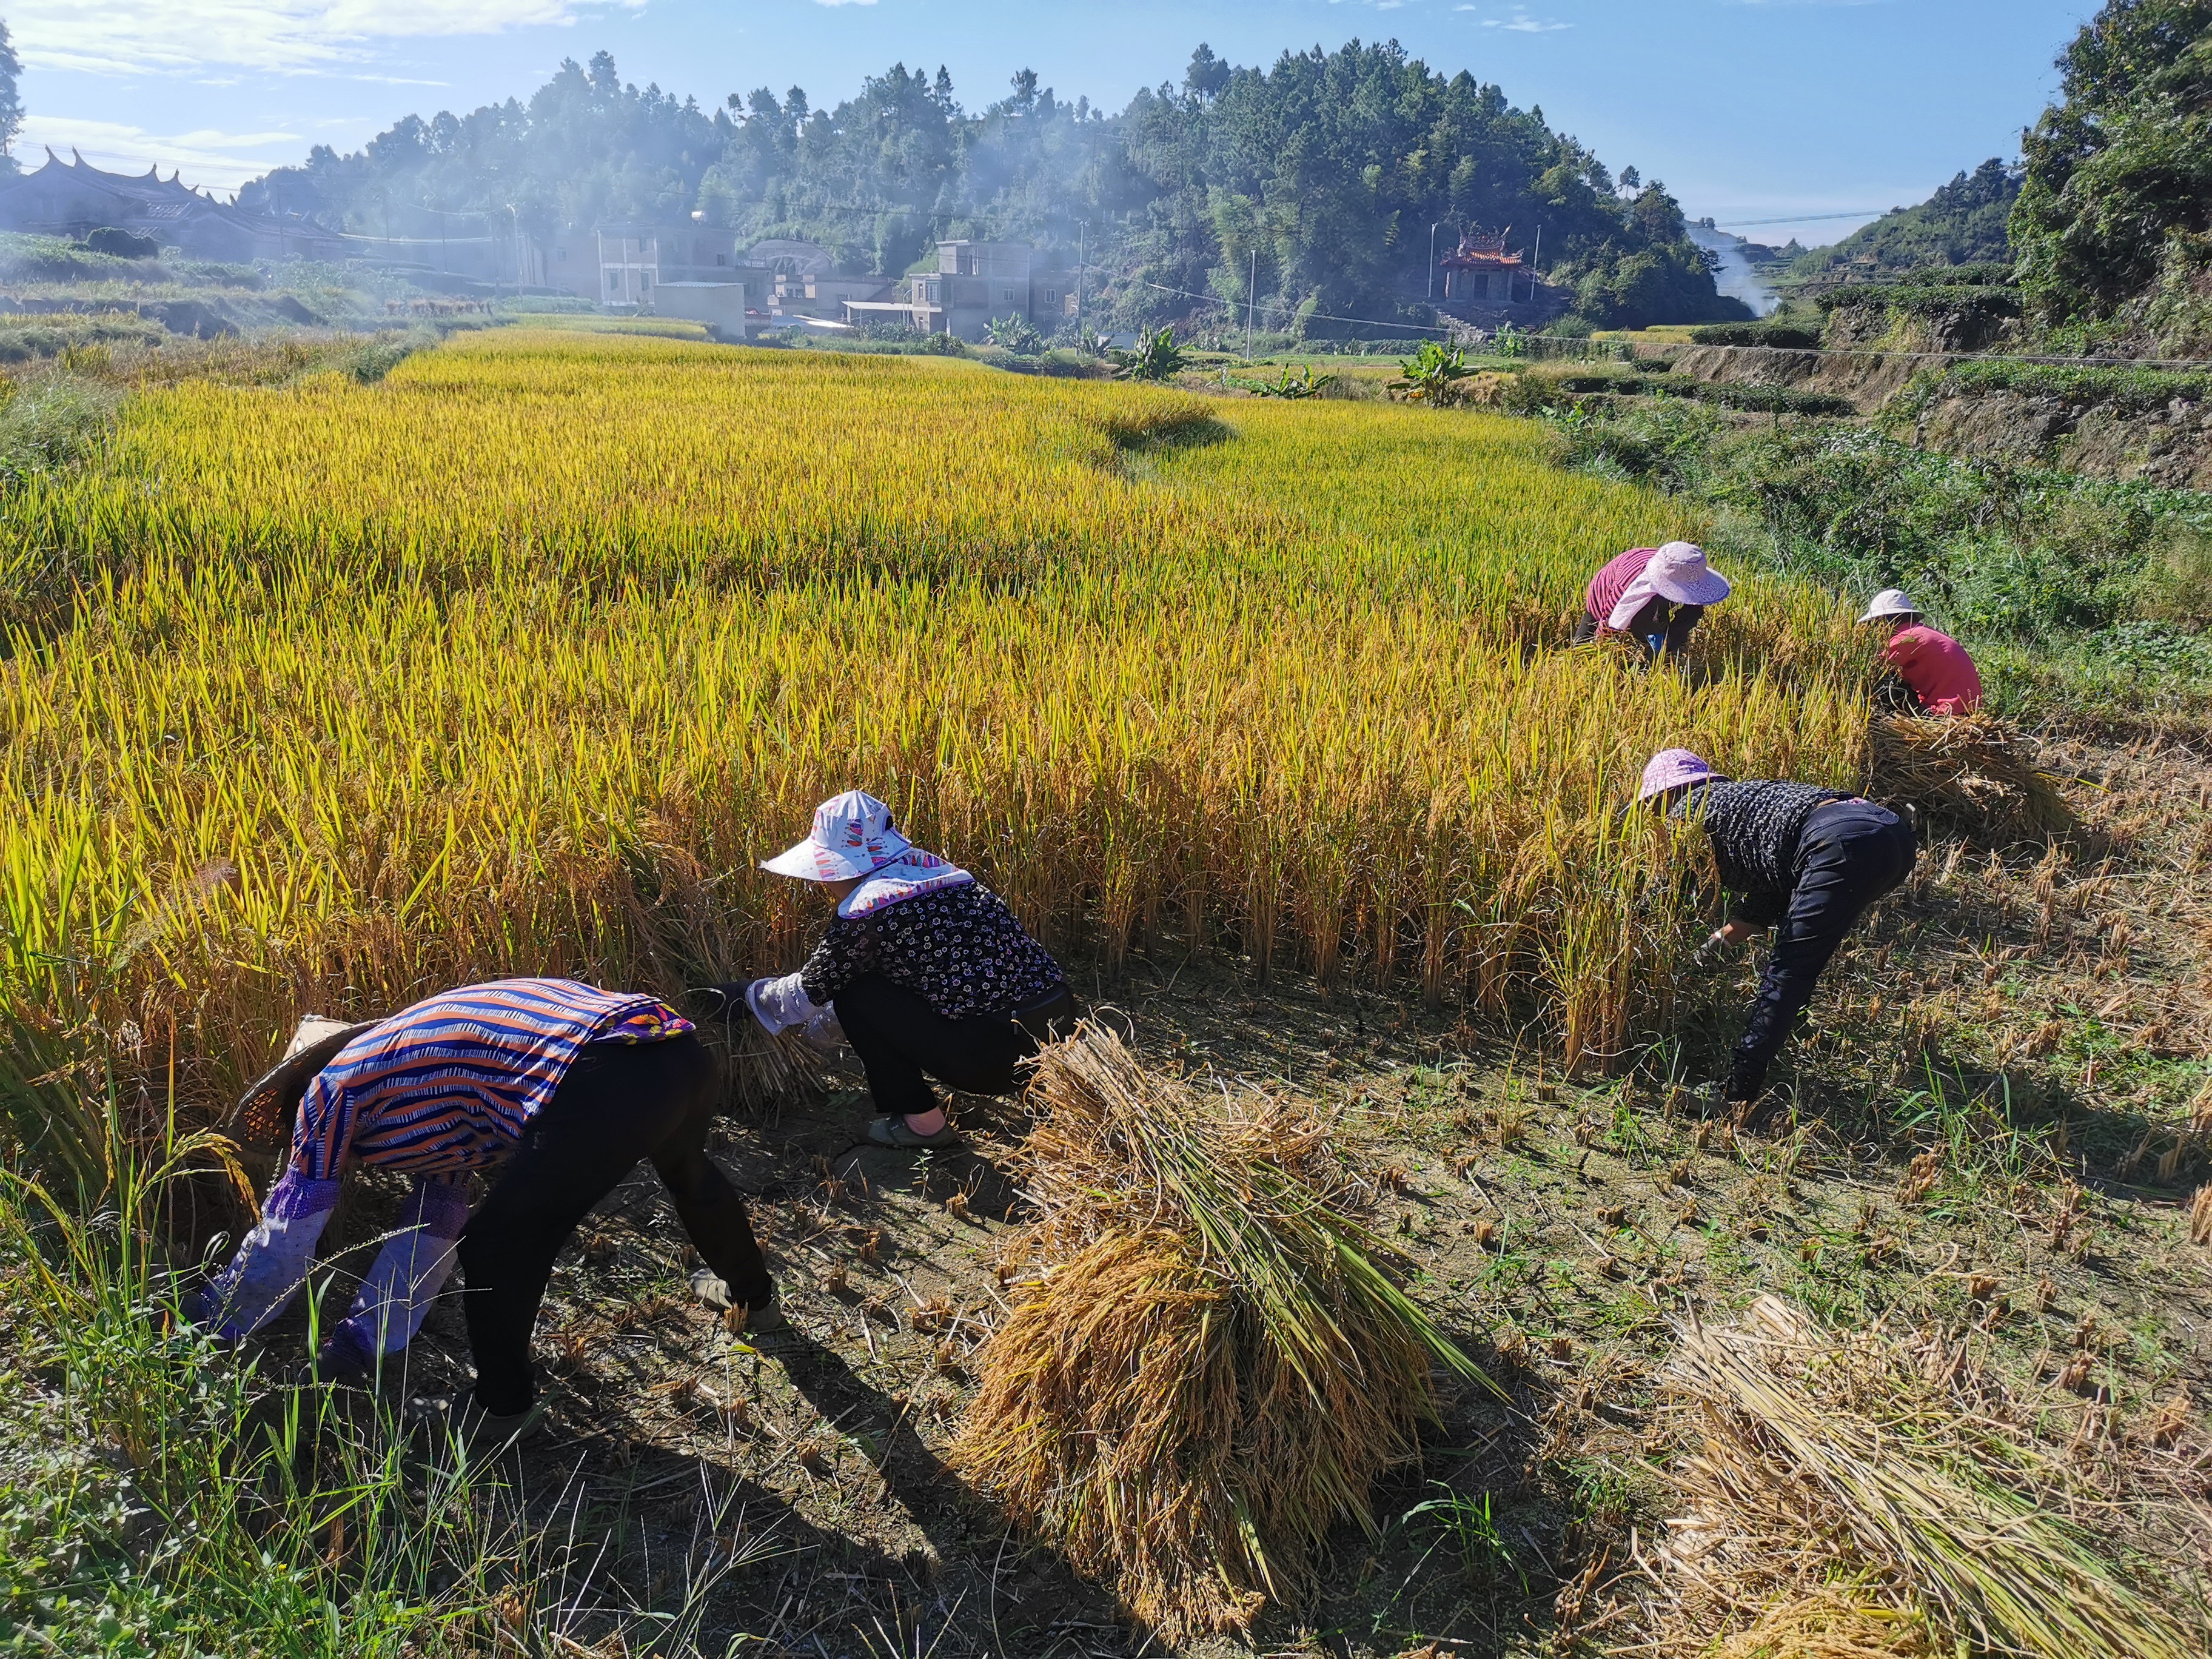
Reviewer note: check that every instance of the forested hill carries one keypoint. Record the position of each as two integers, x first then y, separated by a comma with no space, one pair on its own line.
1324,172
1331,167
1964,223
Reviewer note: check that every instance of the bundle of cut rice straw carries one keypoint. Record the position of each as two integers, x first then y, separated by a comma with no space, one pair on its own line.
1828,1465
1974,772
1210,1367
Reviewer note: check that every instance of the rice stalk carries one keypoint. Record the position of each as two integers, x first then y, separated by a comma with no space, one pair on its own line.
1818,1456
1829,1625
1974,772
1210,1367
517,661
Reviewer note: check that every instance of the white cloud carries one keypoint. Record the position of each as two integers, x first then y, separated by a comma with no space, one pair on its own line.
133,37
220,160
1520,23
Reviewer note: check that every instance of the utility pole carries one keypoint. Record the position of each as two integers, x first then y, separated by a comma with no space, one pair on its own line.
1082,249
1533,259
1432,260
1251,303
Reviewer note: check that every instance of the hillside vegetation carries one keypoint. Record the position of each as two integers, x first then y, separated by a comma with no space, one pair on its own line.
1328,166
1964,223
2113,230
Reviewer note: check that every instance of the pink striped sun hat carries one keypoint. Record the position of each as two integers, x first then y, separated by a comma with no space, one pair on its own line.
854,835
1673,769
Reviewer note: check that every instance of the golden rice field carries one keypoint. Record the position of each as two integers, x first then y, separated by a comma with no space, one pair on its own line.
519,660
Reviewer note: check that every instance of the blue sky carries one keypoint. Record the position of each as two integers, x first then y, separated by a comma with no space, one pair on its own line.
1749,110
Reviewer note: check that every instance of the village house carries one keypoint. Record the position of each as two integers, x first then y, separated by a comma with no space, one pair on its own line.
973,284
73,198
622,265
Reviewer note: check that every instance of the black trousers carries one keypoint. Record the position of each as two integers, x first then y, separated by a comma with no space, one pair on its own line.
620,1102
1852,853
903,1043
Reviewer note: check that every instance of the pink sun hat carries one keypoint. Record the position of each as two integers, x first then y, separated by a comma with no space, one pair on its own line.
1678,572
1671,768
852,835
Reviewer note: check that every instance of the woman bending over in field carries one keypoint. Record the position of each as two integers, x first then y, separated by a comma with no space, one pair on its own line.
1929,672
1651,595
1806,860
558,1087
924,969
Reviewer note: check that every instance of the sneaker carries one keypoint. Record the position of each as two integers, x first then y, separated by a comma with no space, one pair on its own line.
1711,1100
472,1432
893,1132
766,1318
760,1318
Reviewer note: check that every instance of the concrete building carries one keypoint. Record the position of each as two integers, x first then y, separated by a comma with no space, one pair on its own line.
622,265
72,198
629,262
973,284
721,306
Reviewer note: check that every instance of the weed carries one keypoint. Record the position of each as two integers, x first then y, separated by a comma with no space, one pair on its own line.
1467,1526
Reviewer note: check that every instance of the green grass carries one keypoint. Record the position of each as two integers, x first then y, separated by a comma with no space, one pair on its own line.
2129,391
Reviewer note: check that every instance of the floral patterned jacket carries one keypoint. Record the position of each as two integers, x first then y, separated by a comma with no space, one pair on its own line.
959,947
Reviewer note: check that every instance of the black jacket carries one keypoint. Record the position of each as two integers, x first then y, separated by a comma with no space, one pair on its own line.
1754,826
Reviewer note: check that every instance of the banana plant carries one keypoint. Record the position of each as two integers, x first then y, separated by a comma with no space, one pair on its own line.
1291,384
1432,376
1157,358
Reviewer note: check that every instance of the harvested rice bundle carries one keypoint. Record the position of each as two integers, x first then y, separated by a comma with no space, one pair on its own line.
1827,1624
1823,1460
1973,771
1211,1368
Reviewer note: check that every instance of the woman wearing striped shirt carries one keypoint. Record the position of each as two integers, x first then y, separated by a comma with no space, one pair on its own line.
559,1087
1651,595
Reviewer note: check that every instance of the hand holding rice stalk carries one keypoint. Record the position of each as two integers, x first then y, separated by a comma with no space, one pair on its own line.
1212,1367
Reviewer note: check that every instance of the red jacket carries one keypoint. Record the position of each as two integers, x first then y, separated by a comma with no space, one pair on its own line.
1937,669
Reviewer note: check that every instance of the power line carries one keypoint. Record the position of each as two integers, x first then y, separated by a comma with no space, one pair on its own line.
1276,305
1803,218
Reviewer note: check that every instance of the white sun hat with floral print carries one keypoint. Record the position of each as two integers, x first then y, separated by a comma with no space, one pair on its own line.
852,835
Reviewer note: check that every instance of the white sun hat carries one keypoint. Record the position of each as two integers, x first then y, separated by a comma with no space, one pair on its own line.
852,835
1678,572
1890,602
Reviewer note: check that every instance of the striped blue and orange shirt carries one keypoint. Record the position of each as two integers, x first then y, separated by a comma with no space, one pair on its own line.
449,1084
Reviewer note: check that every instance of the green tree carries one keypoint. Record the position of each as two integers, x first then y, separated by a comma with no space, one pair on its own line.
11,102
2118,184
1324,174
1964,223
